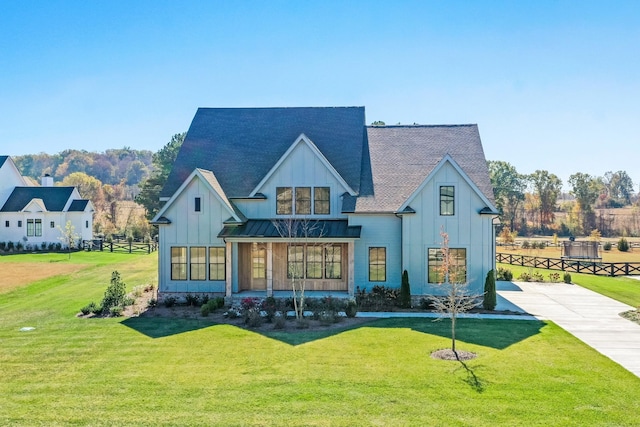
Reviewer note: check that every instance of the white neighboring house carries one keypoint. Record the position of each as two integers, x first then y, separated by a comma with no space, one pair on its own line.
37,212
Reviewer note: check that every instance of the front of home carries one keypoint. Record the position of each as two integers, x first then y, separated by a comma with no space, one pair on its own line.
32,215
261,198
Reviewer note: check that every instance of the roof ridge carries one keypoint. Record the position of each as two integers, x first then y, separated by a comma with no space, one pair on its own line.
422,126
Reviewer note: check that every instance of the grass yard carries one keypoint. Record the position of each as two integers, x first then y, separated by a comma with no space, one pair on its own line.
158,371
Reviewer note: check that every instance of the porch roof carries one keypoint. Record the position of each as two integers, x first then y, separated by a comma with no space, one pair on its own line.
275,229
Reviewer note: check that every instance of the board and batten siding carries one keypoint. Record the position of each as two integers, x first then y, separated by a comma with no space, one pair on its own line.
466,229
383,230
301,168
189,228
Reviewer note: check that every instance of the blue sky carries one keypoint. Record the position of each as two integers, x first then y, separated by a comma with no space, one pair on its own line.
552,84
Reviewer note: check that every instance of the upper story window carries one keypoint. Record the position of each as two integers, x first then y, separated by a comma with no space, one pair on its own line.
284,201
6,223
447,199
320,203
19,223
197,205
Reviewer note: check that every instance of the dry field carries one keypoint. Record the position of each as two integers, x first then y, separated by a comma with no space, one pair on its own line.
16,274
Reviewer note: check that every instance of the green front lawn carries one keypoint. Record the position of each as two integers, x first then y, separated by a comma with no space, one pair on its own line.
156,371
621,288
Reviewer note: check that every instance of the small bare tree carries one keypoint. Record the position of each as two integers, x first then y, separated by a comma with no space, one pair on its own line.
299,232
456,296
68,236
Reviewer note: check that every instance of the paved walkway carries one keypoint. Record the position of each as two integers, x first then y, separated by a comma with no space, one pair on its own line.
591,317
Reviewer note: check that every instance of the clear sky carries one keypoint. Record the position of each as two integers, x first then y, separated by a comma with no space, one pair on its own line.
552,85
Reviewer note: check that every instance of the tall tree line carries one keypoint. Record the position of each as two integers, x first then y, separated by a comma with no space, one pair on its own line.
529,202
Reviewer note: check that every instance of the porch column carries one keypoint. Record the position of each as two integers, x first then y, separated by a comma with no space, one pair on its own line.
351,267
269,269
227,268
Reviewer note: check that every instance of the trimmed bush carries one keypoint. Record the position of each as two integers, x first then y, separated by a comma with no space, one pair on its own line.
204,310
566,278
115,294
169,301
89,308
404,300
351,309
623,245
490,299
607,246
504,274
526,244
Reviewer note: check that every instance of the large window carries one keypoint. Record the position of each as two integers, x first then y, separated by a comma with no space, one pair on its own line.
333,262
457,266
321,203
259,262
178,263
314,262
217,263
303,201
198,263
447,199
377,264
29,227
284,200
38,227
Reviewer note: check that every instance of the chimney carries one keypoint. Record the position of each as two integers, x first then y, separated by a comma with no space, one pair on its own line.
47,180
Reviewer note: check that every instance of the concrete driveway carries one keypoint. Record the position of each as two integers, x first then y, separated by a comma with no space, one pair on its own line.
591,317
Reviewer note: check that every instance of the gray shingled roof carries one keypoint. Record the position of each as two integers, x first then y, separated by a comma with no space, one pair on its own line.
3,159
403,156
241,145
54,198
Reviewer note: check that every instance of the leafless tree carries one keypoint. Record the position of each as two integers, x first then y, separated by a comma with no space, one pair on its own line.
455,297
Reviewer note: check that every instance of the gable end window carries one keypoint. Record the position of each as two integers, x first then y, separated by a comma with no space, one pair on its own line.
377,264
52,224
321,204
457,266
19,223
447,199
284,200
303,200
6,223
197,205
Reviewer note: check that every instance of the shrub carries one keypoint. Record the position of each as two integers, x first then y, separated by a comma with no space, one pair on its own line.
269,306
252,317
3,245
554,277
152,302
524,277
623,245
607,246
10,246
204,310
302,323
504,274
58,246
404,300
351,309
51,246
279,320
115,294
128,301
115,311
426,304
537,277
89,308
19,246
137,291
192,300
328,317
169,301
566,278
381,298
526,244
489,301
218,302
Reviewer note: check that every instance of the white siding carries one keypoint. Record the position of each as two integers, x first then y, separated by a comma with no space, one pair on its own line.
10,178
302,168
189,228
378,231
466,229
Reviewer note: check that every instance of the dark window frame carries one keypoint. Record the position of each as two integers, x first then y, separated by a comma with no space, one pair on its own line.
377,263
197,270
447,200
178,263
217,269
303,200
284,200
321,205
435,259
197,204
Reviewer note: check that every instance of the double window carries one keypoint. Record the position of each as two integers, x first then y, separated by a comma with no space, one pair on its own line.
314,262
304,204
453,271
34,227
197,262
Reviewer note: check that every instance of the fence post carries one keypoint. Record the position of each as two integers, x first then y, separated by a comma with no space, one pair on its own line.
129,247
111,246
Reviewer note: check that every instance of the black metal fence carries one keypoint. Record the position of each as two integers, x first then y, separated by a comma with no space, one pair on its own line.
119,246
577,266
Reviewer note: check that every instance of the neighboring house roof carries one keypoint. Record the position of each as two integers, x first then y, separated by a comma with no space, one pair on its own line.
54,198
78,205
403,156
241,145
3,159
326,229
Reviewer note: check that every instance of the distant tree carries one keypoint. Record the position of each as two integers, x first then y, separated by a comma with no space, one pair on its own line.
586,190
619,186
150,188
547,188
508,190
378,123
